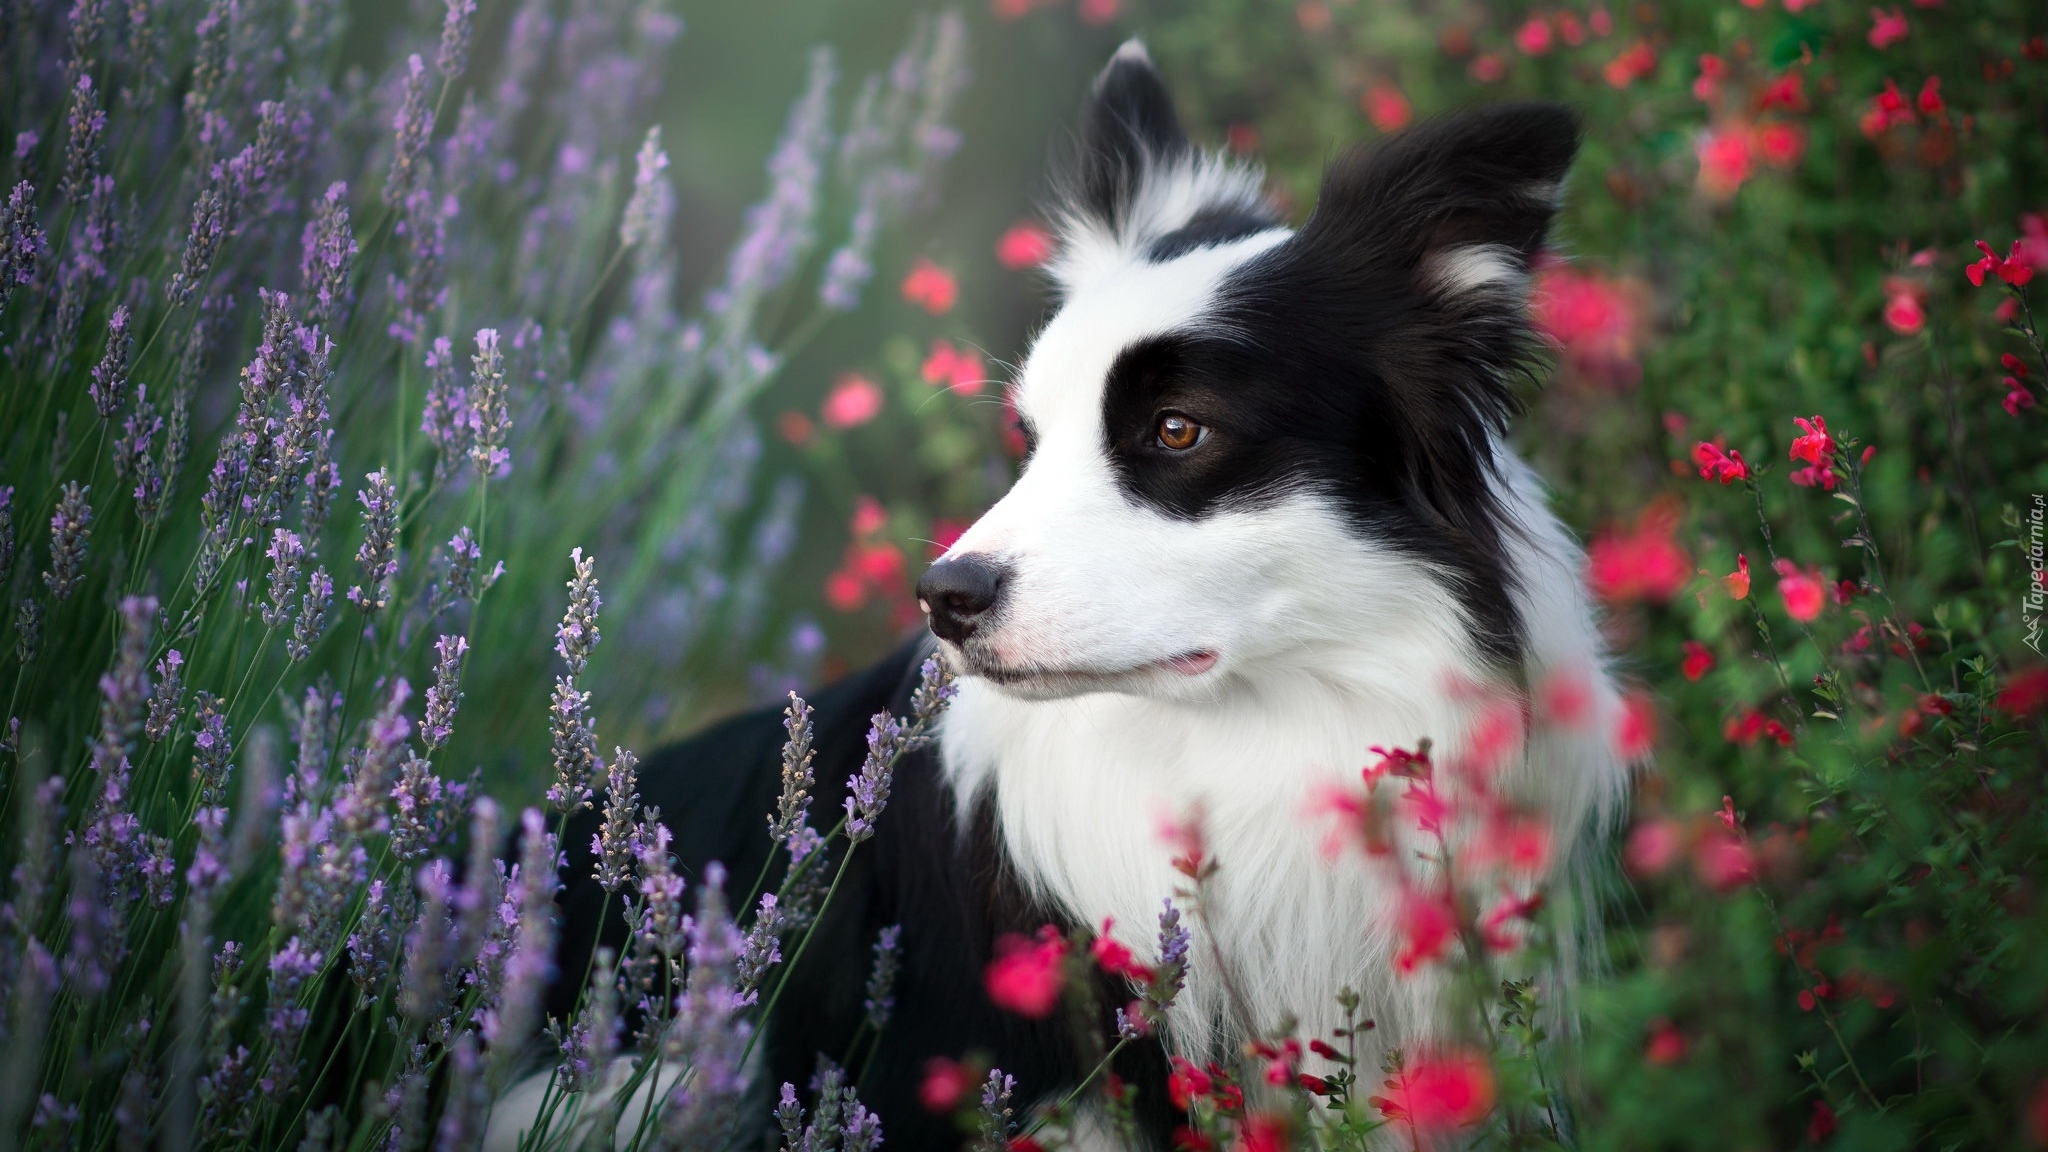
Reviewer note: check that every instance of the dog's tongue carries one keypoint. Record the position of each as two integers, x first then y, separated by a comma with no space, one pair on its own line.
1192,663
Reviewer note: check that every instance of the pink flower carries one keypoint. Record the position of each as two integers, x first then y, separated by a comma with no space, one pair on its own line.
1025,976
1887,28
1636,62
1929,100
1386,107
2025,694
1787,91
1594,319
1026,245
1803,591
1723,860
1817,448
1698,660
960,369
1707,87
1098,12
930,287
853,401
1904,315
1114,958
1725,160
1533,37
1440,1092
1635,733
1888,109
1427,925
2016,400
1780,145
945,1083
844,591
1715,464
1642,562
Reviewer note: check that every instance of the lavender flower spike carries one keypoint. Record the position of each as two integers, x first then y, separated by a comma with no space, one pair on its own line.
414,127
792,808
868,793
6,522
647,212
378,554
578,633
87,122
312,618
286,553
446,417
490,414
329,247
202,244
21,241
455,32
532,960
575,746
446,693
110,376
881,989
613,843
164,700
70,531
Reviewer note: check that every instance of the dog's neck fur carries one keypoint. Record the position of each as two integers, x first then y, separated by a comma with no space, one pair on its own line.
1081,785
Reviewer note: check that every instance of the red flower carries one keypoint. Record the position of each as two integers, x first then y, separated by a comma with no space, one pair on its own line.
2025,694
1595,320
1533,37
1114,958
2016,269
1187,1084
944,1083
1282,1060
930,287
959,369
1186,1139
1713,70
1804,591
1752,726
1639,563
1737,582
1652,846
1666,1044
1097,12
2037,1108
1636,62
1386,107
2013,364
1025,976
869,517
1823,1123
1440,1093
1929,100
845,592
1780,145
1787,91
1887,28
1715,464
1698,660
1888,109
1026,245
1315,1084
1487,68
1026,1143
1327,1052
853,401
1263,1132
2017,399
1817,448
1427,925
1725,160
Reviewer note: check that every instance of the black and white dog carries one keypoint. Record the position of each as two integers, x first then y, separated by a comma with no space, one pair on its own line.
1268,520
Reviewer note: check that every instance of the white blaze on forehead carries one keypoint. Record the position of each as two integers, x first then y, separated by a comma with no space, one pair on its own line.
1062,383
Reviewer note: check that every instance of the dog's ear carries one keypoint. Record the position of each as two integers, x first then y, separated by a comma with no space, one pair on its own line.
1128,128
1138,188
1463,203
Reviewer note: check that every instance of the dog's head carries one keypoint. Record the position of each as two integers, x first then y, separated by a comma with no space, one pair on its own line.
1249,445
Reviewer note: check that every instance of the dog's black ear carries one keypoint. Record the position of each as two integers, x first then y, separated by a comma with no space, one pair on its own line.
1128,125
1465,201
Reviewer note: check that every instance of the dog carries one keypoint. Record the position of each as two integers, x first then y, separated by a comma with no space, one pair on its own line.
1267,522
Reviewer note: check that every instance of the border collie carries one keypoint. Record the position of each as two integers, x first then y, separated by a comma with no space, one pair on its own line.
1267,522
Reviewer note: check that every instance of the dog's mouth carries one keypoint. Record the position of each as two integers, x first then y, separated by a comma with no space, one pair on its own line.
1073,679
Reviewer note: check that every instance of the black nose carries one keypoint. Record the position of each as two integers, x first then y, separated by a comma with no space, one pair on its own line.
960,593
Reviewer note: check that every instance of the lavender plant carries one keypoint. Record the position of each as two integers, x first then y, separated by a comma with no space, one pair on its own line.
212,939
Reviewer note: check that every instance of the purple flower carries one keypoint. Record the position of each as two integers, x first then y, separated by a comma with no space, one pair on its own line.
881,989
418,809
164,700
446,418
781,228
647,212
378,555
210,61
658,936
490,415
28,630
70,531
423,988
25,142
612,844
21,241
588,1045
213,753
868,793
578,633
286,553
446,693
413,127
531,963
792,808
110,376
202,244
209,868
328,248
311,620
85,124
370,945
455,30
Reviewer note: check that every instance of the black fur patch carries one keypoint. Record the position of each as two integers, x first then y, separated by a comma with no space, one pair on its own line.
1207,230
1128,124
1333,362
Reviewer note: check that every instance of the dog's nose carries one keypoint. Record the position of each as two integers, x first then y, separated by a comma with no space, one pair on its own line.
959,593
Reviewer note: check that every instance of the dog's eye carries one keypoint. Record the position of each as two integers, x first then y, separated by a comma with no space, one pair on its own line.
1177,433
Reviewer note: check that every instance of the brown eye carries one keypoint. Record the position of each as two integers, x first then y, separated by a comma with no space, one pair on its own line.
1177,433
